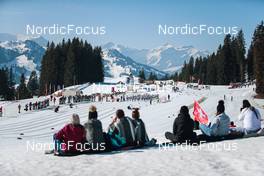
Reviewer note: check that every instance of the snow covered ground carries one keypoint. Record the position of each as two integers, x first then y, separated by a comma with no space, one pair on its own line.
234,157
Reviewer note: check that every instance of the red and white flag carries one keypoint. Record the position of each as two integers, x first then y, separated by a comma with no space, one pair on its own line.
199,113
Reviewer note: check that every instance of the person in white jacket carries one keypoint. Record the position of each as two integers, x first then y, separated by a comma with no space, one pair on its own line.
251,118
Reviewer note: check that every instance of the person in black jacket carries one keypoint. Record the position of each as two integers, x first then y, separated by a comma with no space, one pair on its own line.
182,128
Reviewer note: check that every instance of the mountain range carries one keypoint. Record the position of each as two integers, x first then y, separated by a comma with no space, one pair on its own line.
166,58
24,54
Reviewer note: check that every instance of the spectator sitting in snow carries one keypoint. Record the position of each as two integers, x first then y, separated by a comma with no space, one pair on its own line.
67,140
182,127
251,118
121,130
219,126
140,130
94,130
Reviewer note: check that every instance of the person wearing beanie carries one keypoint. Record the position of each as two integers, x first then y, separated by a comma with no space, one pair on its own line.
140,130
251,118
182,127
94,130
70,136
219,125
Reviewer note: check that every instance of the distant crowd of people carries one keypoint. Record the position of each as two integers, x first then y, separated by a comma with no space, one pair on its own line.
114,97
124,131
77,99
32,106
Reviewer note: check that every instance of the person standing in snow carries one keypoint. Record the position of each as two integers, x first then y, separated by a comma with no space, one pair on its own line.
251,118
1,111
183,127
30,106
54,100
218,126
19,108
68,139
94,130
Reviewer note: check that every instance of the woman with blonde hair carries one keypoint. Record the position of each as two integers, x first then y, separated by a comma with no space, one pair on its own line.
69,137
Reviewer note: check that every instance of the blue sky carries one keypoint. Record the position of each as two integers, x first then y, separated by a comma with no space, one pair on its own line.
134,23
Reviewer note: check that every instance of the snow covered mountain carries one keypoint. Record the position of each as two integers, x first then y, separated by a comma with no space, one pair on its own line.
167,58
24,54
117,64
10,37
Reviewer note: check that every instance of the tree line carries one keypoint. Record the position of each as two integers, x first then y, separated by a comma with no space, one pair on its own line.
25,89
65,64
229,64
70,63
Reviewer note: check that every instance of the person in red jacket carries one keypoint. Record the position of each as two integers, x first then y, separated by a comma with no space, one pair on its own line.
70,139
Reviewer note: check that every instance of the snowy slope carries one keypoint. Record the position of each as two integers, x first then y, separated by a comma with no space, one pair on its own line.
246,159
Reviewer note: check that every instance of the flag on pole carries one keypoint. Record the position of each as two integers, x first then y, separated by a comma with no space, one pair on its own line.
199,113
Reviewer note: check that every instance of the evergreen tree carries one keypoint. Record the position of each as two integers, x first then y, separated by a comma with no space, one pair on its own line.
99,71
211,75
22,90
175,77
240,56
250,64
33,84
152,76
6,91
68,63
191,67
141,74
70,69
258,53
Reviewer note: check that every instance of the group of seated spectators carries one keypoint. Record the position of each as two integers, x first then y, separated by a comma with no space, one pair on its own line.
123,131
217,127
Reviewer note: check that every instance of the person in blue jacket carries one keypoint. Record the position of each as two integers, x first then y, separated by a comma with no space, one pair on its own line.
219,125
